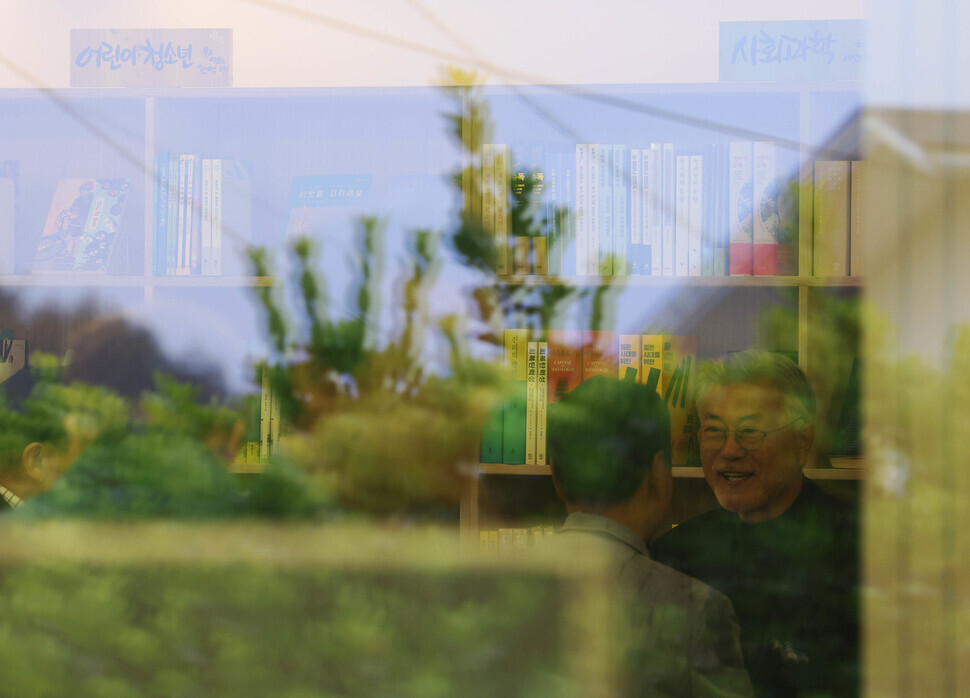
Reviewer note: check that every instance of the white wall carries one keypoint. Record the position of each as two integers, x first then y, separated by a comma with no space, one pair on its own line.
295,42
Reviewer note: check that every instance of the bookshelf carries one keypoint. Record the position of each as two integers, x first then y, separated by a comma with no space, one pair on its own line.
725,313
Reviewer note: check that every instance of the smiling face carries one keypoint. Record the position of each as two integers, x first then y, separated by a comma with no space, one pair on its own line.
762,483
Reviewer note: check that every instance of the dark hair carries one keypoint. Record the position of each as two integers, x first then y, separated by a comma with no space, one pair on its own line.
603,437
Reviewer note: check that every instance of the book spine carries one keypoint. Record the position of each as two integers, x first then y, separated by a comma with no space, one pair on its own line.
621,213
542,403
206,217
653,209
181,261
594,232
682,204
680,357
565,366
488,204
491,444
531,398
265,409
195,220
637,244
629,358
582,209
537,228
741,208
551,210
766,214
831,215
721,231
605,199
600,348
651,364
668,207
217,216
274,421
500,204
696,215
856,225
567,214
514,416
520,180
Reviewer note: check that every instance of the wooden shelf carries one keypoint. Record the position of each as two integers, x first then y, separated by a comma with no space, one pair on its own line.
681,471
45,280
687,281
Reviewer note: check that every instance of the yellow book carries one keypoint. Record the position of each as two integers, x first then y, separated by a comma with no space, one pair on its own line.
520,539
505,541
501,206
679,367
265,409
514,414
630,358
542,401
531,406
492,542
651,364
541,245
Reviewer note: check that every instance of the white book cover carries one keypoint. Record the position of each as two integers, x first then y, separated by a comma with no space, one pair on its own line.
206,217
696,206
621,212
653,208
593,206
216,214
184,211
740,207
582,209
636,207
668,207
501,197
682,212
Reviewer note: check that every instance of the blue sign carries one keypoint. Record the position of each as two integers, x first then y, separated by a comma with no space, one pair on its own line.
796,51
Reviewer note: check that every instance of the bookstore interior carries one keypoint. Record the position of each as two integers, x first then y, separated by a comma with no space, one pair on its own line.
348,305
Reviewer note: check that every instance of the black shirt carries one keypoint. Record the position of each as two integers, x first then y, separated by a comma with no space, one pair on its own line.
793,582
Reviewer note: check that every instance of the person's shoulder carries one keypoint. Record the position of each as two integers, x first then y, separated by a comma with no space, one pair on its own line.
660,584
688,534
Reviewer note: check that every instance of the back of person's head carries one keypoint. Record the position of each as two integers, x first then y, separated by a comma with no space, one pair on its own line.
603,437
758,367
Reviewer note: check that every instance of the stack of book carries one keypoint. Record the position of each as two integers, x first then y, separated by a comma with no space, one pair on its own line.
654,210
203,212
544,368
512,541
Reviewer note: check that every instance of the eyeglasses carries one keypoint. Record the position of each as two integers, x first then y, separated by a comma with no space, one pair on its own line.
748,438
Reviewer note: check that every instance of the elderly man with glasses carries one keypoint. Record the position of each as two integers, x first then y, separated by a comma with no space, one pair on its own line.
783,551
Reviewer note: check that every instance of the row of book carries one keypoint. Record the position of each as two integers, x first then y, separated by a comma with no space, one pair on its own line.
544,367
837,215
509,541
202,215
659,210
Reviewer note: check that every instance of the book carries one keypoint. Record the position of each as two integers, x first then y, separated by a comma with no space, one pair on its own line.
581,216
741,209
775,252
565,366
682,221
194,219
531,400
552,212
857,220
171,236
82,226
604,199
215,223
593,207
500,203
321,206
621,212
490,446
8,215
537,230
651,363
679,365
567,212
830,241
600,348
184,198
488,206
638,242
514,412
542,404
629,357
696,212
160,232
207,269
653,209
668,208
521,221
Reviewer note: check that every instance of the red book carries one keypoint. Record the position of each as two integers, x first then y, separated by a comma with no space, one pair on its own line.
600,353
565,362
